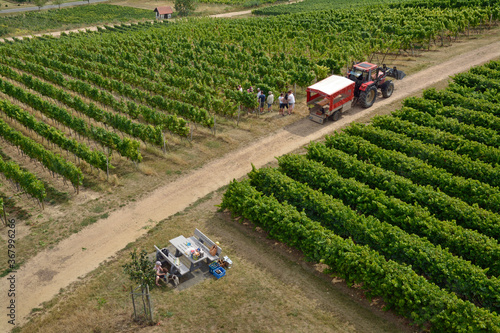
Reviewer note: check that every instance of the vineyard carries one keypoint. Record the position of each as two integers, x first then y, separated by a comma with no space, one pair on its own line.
68,18
106,135
85,100
406,206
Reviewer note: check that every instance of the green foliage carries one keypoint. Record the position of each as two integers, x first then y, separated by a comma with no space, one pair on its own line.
140,269
184,7
322,72
460,165
48,159
439,265
471,191
26,180
40,3
94,158
400,287
58,3
440,204
31,22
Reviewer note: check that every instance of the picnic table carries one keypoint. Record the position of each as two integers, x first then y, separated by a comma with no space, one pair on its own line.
183,247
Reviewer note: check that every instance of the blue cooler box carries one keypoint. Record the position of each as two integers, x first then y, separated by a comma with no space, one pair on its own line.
219,272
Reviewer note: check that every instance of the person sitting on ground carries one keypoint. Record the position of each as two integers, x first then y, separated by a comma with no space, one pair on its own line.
160,273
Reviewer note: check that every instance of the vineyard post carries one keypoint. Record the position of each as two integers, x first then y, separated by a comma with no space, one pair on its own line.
164,144
238,121
191,132
107,168
4,215
295,89
215,129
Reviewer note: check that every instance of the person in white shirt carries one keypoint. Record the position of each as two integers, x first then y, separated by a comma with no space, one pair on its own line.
270,101
291,101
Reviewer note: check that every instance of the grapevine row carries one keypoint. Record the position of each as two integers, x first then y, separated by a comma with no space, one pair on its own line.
471,245
463,115
488,95
401,288
193,113
468,190
476,81
94,158
429,135
48,159
26,180
169,122
438,203
470,132
146,133
126,147
450,98
437,264
457,164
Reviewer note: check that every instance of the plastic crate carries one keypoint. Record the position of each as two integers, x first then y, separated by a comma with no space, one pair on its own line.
219,272
214,265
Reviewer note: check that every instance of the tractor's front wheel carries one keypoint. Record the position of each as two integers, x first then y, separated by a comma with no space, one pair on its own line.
387,89
335,116
367,97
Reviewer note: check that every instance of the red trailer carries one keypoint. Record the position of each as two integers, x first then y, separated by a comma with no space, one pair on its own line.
330,97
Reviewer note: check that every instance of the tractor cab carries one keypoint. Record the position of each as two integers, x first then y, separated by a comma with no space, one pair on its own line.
363,72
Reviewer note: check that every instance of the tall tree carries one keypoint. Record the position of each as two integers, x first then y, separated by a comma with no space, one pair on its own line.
58,3
184,7
40,3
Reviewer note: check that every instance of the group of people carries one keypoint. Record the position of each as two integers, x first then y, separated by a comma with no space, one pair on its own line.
286,100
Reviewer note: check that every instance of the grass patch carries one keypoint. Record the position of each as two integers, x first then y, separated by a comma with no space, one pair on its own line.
213,144
88,221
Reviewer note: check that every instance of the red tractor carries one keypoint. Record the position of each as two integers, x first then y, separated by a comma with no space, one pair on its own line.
329,98
368,78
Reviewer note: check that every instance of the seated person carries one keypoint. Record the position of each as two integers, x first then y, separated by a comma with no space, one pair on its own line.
160,273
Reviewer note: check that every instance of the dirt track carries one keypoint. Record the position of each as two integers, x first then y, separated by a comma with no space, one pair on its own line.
43,276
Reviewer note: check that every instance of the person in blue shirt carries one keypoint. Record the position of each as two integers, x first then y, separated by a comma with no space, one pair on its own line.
262,101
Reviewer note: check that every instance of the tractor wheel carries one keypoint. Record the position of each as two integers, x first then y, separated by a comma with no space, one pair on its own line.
367,97
335,116
387,89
